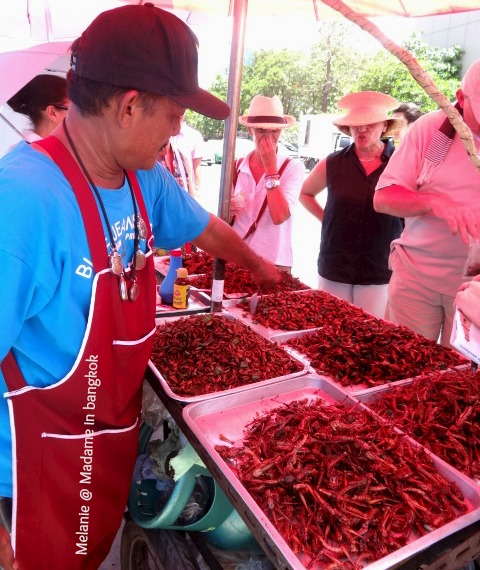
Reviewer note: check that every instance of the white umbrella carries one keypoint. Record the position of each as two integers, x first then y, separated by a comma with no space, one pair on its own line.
57,19
17,68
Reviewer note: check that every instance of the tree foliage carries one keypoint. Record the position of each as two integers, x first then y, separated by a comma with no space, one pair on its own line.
337,64
387,74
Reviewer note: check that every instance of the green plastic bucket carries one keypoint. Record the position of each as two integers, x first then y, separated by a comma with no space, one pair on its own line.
232,534
144,497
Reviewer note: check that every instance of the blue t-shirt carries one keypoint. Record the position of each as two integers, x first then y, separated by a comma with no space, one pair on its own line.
47,268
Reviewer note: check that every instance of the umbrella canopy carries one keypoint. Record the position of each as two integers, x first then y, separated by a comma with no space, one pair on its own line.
17,68
318,9
57,19
38,20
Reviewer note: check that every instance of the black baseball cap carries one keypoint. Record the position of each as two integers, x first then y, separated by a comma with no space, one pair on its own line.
146,48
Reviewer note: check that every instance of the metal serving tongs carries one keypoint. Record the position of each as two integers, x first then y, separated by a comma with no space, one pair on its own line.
253,303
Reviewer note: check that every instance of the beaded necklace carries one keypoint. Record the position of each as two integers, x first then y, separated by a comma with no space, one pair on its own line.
115,263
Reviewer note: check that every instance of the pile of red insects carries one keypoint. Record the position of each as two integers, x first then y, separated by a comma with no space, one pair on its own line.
203,354
300,310
370,352
198,262
340,486
442,412
239,281
348,344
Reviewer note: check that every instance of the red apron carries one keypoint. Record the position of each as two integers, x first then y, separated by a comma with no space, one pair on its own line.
75,442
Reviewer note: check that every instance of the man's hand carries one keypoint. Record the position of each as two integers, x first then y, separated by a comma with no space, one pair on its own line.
399,201
7,560
460,220
266,274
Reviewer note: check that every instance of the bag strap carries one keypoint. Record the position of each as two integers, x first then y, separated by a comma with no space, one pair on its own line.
236,171
253,227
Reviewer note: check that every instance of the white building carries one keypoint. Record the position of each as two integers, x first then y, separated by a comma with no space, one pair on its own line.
461,29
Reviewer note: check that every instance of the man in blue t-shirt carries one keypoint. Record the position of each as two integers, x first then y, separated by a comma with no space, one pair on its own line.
80,212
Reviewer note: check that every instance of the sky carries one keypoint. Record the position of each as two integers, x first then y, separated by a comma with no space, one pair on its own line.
215,39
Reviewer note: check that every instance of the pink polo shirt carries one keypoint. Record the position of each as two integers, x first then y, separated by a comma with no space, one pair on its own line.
427,247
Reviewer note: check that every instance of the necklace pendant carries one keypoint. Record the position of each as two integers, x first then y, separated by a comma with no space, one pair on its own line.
122,285
140,259
133,291
115,263
142,228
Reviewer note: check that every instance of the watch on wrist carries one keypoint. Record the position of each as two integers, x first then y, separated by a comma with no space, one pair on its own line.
271,183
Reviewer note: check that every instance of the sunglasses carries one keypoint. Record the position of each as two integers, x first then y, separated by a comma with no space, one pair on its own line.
64,107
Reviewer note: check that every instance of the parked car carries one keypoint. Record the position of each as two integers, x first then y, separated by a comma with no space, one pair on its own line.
210,148
242,148
289,148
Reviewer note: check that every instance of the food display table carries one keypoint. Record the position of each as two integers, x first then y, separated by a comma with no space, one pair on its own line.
449,553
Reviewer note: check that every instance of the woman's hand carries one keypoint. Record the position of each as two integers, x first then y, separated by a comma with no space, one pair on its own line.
237,203
467,301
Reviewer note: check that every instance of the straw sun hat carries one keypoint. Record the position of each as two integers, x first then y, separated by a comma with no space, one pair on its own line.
365,108
266,113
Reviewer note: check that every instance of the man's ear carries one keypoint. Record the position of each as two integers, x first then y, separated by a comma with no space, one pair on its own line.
128,105
460,98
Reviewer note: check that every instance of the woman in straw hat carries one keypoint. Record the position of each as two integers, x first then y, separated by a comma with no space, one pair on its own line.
355,240
267,184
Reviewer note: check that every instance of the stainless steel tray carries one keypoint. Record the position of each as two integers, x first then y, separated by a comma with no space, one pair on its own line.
371,395
189,399
162,263
198,303
234,307
229,415
355,389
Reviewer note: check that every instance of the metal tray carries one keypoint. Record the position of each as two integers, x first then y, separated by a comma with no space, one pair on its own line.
162,264
228,298
235,308
229,416
190,399
371,395
360,388
198,303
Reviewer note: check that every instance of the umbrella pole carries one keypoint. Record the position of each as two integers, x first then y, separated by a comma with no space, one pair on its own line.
233,99
12,126
417,72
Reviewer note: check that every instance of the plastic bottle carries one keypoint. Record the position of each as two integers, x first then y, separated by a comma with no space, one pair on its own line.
166,286
181,289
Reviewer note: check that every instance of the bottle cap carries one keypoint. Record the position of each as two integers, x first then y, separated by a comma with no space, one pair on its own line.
176,253
182,272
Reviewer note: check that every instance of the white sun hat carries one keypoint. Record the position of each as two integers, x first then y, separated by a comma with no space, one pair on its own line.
366,108
266,113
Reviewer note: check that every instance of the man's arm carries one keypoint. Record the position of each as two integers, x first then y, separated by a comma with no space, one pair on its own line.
404,203
218,239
